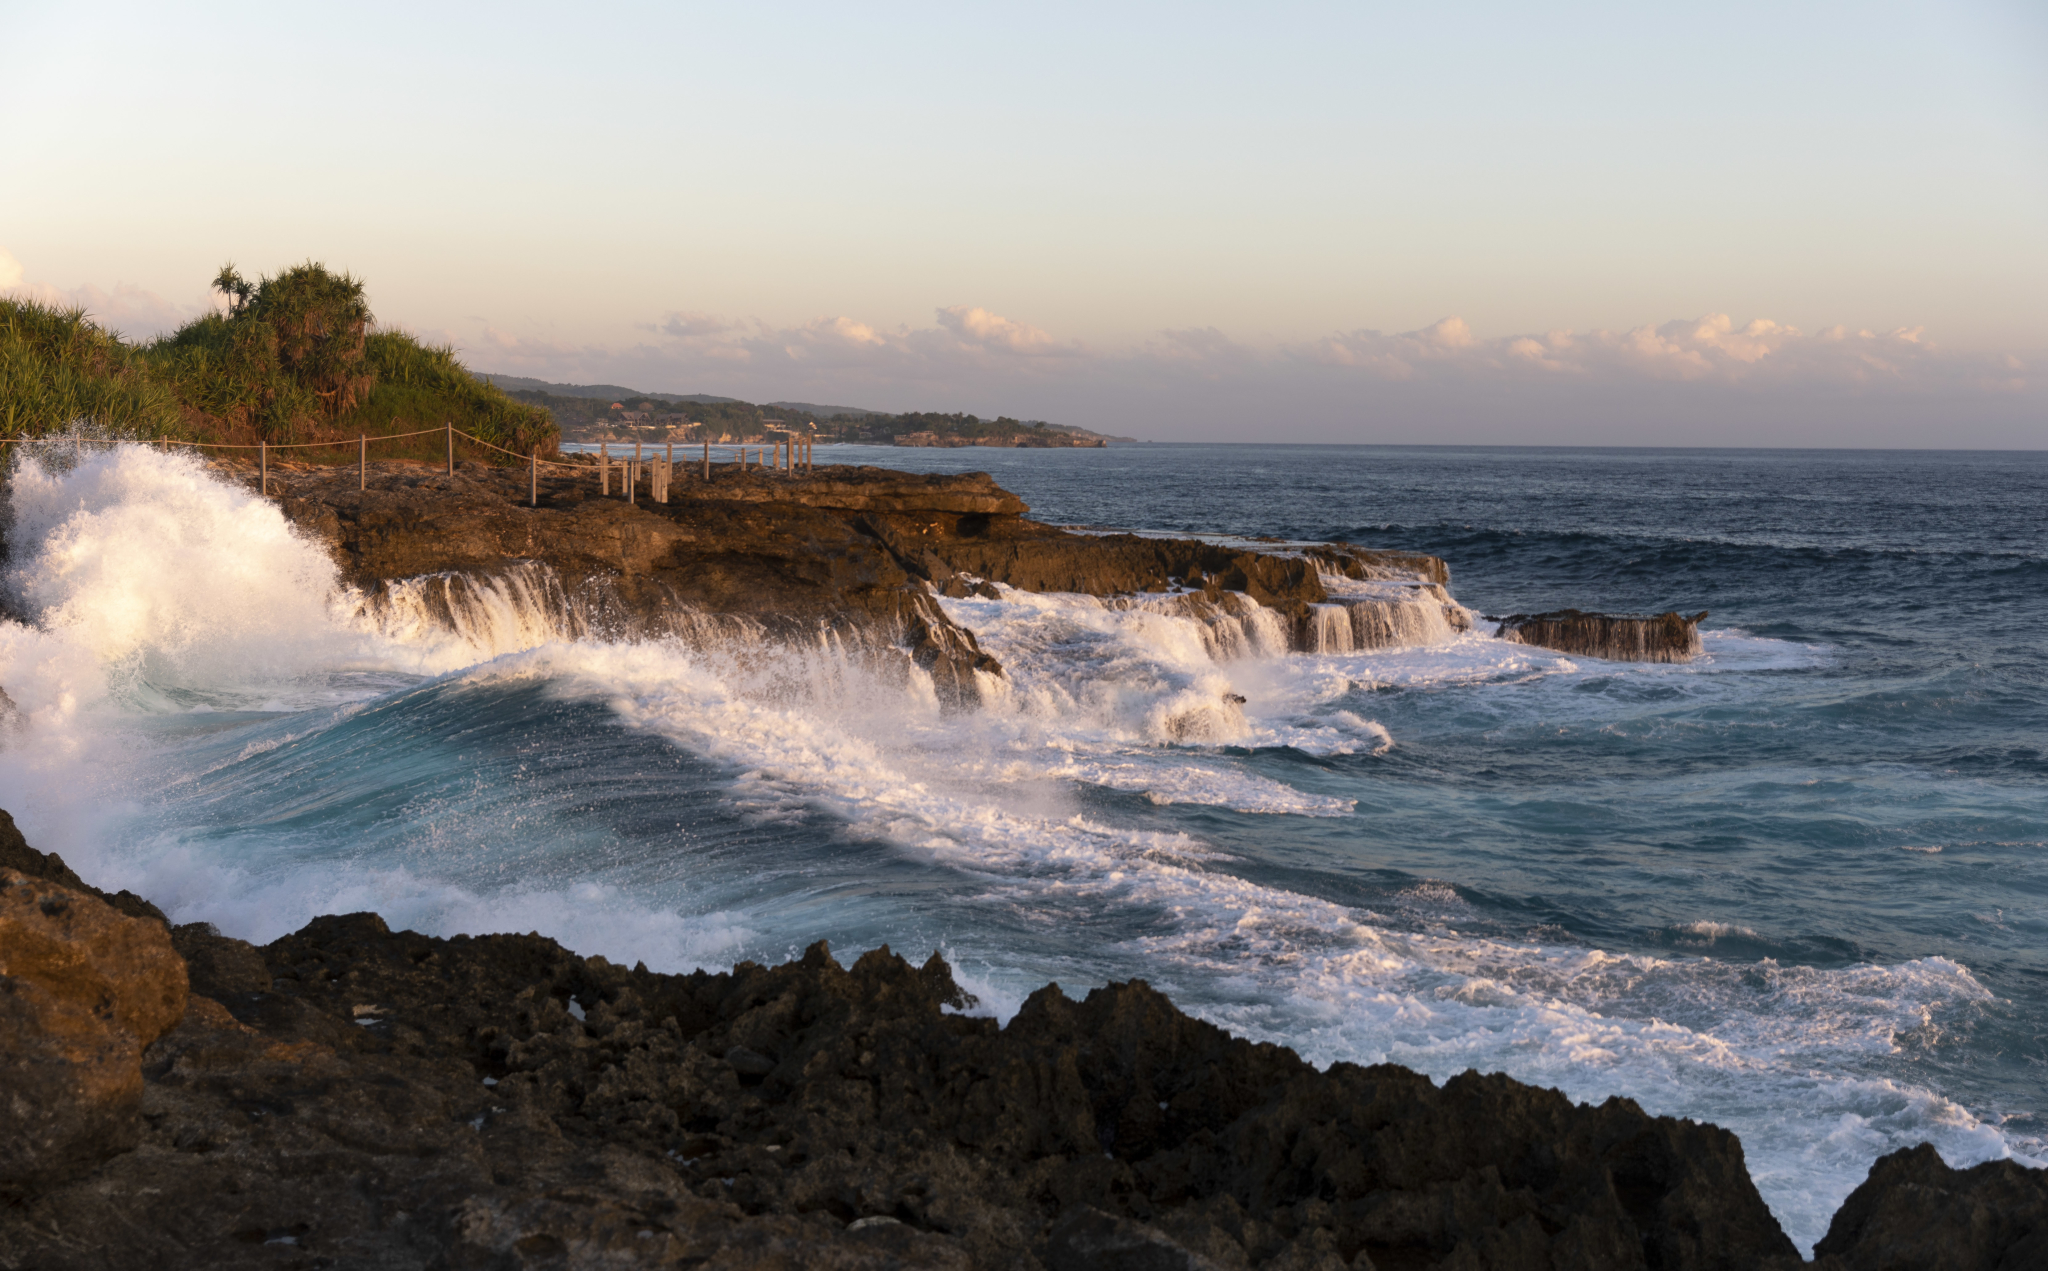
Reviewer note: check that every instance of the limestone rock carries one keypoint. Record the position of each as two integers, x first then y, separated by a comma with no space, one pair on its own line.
83,988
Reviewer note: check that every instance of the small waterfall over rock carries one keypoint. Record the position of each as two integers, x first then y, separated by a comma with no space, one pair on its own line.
1233,625
1617,637
1382,615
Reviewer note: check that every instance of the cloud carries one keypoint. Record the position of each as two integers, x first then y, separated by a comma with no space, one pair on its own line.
692,326
1705,349
135,312
977,326
1707,378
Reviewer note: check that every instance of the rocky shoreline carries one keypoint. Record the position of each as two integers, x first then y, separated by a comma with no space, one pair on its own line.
856,552
350,1096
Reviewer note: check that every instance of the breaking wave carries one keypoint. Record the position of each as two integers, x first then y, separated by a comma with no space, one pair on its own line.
206,715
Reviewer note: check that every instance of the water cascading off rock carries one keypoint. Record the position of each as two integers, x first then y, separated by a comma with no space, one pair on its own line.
1617,637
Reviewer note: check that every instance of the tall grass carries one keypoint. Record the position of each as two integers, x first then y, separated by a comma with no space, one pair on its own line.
57,367
296,358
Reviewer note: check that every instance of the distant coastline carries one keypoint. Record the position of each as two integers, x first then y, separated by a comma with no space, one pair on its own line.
590,413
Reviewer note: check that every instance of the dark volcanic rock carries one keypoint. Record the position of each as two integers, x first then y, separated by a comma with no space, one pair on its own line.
398,1100
1664,637
1913,1212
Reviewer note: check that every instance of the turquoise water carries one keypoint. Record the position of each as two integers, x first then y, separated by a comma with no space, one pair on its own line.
1796,887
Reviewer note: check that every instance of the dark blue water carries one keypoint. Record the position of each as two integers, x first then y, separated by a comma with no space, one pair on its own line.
1799,887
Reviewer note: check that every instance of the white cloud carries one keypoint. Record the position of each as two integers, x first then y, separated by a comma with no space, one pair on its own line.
692,326
1672,382
975,325
1707,349
129,309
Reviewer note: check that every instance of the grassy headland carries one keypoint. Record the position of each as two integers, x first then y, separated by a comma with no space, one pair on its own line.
295,358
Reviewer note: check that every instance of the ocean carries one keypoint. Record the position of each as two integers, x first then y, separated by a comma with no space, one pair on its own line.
1798,887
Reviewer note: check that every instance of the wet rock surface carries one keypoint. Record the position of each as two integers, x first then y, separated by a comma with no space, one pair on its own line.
861,552
1664,637
350,1096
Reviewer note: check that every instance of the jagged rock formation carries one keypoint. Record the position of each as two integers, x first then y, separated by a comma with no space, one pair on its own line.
352,1096
1664,637
1914,1211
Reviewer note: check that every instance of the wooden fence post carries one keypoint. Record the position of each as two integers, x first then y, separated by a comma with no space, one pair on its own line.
633,475
263,465
707,460
668,469
362,462
450,425
604,468
533,476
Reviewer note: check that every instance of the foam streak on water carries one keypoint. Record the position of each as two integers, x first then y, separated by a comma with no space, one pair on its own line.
1417,843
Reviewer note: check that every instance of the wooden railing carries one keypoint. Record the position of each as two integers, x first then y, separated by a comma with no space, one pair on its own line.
789,455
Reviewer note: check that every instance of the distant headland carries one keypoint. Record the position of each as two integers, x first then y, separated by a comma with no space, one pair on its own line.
612,412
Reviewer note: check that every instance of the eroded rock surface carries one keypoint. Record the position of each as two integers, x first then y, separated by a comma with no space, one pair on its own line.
1914,1211
1664,637
396,1100
83,989
861,552
350,1096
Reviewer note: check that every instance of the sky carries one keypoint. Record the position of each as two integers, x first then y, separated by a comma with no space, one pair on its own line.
1575,223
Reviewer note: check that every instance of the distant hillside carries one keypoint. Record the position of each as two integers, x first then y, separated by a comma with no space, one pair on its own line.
584,412
610,392
823,412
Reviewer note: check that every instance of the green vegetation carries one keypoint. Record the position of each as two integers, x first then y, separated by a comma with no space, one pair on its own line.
57,366
295,358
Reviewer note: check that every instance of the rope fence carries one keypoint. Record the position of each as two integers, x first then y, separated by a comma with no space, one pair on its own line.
791,454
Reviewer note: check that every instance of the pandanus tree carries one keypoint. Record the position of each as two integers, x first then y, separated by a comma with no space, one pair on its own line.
289,350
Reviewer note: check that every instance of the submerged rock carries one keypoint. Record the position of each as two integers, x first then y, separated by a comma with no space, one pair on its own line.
1618,637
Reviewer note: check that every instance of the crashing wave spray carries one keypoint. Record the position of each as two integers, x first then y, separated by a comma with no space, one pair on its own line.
520,607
